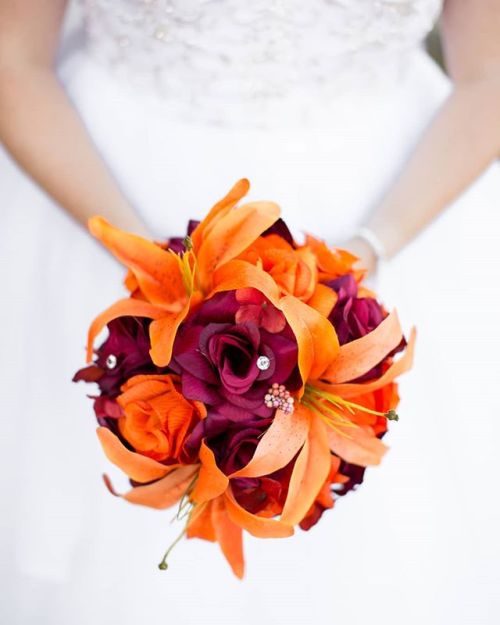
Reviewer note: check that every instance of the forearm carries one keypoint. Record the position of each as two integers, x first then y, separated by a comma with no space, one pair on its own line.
44,134
461,141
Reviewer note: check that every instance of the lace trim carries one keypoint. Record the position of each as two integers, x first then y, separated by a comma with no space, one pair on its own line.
207,55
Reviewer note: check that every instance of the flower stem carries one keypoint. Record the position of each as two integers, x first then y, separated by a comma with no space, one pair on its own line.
195,511
163,566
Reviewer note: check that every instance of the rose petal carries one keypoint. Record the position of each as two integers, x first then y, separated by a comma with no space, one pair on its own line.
196,389
323,299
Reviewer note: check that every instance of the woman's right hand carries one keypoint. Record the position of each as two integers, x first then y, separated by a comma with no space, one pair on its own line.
40,127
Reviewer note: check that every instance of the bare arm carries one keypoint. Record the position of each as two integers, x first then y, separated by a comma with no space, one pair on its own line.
39,126
461,141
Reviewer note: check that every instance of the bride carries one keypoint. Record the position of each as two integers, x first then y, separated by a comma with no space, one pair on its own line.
331,108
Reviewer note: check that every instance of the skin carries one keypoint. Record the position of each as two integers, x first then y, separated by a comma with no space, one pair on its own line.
50,142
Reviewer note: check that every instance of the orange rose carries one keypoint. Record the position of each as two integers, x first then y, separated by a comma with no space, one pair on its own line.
332,262
293,270
156,417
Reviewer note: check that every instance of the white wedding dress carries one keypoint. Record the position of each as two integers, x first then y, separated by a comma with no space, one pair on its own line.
318,103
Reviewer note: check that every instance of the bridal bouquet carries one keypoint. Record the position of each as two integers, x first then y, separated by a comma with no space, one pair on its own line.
246,379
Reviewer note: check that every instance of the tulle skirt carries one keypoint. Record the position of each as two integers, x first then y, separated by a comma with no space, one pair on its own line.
417,543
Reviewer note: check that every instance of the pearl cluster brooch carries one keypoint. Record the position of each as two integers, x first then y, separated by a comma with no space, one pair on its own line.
278,397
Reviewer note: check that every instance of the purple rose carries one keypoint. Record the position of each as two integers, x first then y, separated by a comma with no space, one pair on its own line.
230,366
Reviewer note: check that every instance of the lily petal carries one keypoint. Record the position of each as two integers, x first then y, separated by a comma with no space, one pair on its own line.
261,527
122,308
239,274
285,436
309,474
232,234
229,536
138,467
162,333
316,337
156,270
211,481
396,369
361,355
221,208
357,445
165,492
201,525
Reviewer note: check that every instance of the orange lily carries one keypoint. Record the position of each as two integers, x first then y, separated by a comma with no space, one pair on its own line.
165,285
326,421
161,278
161,486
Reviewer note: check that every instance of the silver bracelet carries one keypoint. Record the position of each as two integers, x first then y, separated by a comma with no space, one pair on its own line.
373,241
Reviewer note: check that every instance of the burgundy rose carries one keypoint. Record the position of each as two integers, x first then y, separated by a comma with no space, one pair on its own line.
218,359
233,444
354,317
123,354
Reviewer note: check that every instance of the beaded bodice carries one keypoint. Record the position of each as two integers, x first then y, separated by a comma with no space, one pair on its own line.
254,52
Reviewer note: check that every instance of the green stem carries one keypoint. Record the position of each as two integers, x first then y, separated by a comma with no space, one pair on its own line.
163,566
